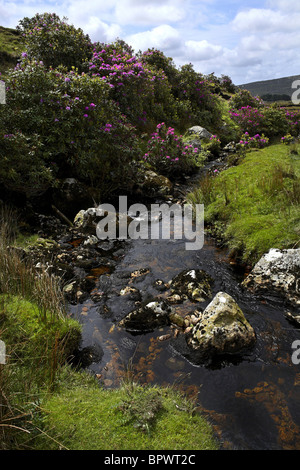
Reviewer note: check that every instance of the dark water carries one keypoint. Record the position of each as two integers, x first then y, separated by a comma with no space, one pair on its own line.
252,402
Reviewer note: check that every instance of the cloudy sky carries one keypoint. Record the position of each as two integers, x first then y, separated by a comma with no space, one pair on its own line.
248,40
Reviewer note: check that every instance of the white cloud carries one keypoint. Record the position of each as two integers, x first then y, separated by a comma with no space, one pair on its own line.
288,6
260,19
202,50
164,37
100,31
145,12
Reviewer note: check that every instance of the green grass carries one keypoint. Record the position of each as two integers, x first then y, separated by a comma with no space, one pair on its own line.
83,416
45,404
11,47
53,406
254,206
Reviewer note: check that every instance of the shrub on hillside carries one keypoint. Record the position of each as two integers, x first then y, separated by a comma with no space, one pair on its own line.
196,103
168,154
141,90
80,130
54,41
243,98
272,121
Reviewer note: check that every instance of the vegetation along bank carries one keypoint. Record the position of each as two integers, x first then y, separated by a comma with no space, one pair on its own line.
84,122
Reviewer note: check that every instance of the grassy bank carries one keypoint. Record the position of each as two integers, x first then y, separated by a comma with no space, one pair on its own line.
254,206
10,48
46,404
83,416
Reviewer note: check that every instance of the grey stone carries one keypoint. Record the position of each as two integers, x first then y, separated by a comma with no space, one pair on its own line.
277,272
222,329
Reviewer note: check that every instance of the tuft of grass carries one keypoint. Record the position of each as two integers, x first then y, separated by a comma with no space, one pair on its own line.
254,206
82,416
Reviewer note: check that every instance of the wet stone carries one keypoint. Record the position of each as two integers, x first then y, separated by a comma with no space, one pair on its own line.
148,317
223,329
192,284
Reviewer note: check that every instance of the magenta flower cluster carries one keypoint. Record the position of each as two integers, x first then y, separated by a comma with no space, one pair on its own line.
167,152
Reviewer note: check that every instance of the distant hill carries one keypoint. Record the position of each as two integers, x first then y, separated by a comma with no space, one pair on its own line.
279,88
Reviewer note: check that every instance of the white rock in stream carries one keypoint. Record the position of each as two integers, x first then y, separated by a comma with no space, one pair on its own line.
277,272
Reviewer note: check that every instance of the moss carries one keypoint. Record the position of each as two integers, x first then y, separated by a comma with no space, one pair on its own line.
86,417
254,206
28,334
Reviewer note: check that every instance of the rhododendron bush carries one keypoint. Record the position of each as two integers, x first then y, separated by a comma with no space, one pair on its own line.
80,129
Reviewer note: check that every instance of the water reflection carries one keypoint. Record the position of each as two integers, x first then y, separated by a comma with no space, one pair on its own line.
253,401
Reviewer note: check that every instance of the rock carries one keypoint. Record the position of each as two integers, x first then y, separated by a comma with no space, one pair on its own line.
87,220
230,147
223,329
277,272
154,185
177,320
148,317
192,284
201,132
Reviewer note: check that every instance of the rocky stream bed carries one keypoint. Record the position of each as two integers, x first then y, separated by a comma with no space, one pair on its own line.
192,319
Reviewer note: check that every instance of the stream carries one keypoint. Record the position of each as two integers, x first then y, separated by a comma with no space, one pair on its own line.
251,400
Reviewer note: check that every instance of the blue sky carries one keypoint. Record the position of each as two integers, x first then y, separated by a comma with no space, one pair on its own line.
249,40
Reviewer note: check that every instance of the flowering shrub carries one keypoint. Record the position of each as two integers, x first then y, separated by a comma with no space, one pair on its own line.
200,104
257,141
243,99
142,92
249,119
53,41
293,119
168,154
270,120
287,139
81,130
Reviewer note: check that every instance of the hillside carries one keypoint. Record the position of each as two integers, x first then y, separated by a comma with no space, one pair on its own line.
10,48
279,87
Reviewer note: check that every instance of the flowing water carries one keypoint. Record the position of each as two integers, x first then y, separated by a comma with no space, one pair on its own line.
252,401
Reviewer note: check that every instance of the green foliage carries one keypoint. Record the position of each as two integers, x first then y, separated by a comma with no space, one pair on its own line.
274,121
53,41
23,167
68,123
244,98
141,406
254,206
214,145
196,103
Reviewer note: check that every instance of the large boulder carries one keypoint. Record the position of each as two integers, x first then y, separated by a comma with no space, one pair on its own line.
199,132
277,272
221,329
